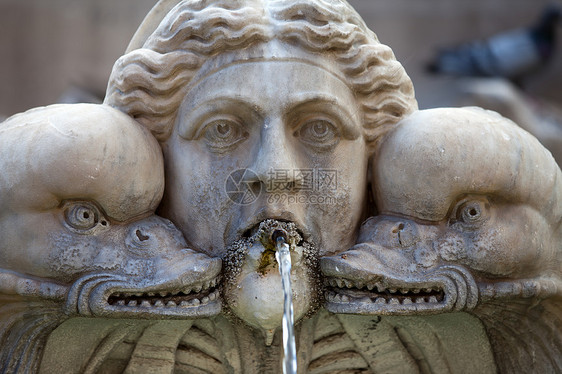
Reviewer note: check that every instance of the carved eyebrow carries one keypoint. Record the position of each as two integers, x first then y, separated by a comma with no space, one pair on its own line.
189,130
333,104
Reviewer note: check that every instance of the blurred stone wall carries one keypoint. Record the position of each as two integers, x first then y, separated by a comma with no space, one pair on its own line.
49,46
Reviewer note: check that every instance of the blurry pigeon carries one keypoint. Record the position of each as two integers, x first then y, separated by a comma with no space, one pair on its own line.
510,55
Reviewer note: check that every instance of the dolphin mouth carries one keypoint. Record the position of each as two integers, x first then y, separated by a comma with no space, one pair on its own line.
389,298
192,296
110,296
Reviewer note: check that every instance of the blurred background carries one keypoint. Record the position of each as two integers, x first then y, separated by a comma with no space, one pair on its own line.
63,51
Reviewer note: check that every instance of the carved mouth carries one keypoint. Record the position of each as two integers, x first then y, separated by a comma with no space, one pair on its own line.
193,296
253,226
347,296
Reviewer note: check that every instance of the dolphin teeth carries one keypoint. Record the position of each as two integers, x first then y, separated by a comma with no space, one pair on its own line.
347,283
214,282
379,287
195,302
206,285
416,290
333,282
419,300
171,303
184,303
158,303
433,299
345,299
163,294
339,283
121,302
365,300
392,290
380,301
330,296
359,285
205,300
407,301
132,303
394,301
428,290
197,288
212,296
403,291
337,298
151,294
370,286
138,294
145,304
187,291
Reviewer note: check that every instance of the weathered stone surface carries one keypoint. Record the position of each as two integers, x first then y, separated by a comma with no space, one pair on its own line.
470,209
78,230
278,116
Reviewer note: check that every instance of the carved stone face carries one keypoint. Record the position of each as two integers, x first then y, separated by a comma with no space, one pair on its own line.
296,129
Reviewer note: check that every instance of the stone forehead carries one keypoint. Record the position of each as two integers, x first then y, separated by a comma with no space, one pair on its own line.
80,151
437,155
275,51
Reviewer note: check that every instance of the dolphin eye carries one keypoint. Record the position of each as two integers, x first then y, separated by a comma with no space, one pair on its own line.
83,215
471,212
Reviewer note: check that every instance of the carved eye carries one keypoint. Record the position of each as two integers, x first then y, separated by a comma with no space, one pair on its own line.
83,215
472,211
319,133
221,135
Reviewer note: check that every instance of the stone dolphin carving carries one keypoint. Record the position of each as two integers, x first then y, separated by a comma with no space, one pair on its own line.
470,213
78,234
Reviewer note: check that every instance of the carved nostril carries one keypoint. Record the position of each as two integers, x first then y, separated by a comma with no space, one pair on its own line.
142,237
398,228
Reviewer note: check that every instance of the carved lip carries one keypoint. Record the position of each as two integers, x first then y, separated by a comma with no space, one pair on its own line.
250,228
199,299
192,296
388,298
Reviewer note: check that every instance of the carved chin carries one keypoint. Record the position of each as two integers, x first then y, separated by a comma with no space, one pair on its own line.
258,299
253,287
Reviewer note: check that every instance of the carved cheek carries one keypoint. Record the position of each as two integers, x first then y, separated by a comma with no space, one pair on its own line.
139,267
110,257
499,250
451,247
518,243
488,252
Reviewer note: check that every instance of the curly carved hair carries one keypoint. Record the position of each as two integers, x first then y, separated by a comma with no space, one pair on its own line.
150,83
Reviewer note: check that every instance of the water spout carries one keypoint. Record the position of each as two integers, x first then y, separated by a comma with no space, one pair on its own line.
283,257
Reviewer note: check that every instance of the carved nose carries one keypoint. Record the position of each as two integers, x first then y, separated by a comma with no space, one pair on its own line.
406,233
276,165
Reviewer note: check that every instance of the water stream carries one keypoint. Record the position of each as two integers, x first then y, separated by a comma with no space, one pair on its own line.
283,257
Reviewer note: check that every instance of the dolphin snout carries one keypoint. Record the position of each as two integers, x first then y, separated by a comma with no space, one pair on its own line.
390,232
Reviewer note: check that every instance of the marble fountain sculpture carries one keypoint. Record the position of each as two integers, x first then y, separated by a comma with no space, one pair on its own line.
143,235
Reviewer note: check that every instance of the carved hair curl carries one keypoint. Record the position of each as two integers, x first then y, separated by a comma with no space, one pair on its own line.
150,83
